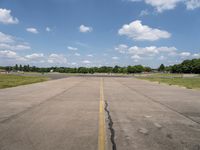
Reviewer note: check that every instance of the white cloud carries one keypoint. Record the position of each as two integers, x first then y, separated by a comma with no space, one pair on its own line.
48,29
11,55
6,17
136,57
8,42
32,30
196,55
163,53
73,63
8,54
90,55
162,57
85,29
185,54
192,4
86,62
144,13
77,54
162,5
115,58
35,56
14,47
122,48
72,48
57,59
136,31
5,38
150,50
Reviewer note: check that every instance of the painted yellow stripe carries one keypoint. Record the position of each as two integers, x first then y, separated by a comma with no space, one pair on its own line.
101,138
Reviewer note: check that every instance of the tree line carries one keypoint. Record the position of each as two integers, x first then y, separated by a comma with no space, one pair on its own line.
187,66
103,69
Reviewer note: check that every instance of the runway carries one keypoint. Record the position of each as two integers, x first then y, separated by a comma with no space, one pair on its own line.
97,113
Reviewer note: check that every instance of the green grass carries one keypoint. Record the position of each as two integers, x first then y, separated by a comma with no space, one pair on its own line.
190,83
7,80
167,75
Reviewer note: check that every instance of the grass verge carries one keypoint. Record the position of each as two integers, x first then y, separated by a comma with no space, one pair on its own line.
8,80
190,83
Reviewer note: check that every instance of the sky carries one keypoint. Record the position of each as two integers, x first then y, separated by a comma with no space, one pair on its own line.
74,33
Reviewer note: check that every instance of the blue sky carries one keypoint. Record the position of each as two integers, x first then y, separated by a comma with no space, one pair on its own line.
99,32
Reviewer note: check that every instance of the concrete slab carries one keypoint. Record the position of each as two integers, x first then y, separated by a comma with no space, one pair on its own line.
143,120
63,114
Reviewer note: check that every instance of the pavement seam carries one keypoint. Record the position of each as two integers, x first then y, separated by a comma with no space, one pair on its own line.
110,127
39,104
155,101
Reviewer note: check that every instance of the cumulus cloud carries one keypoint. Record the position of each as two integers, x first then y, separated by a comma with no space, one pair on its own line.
122,48
85,29
137,57
138,53
32,30
5,38
160,53
72,48
90,55
144,13
136,31
8,54
73,63
115,58
14,46
162,5
6,17
48,29
77,54
11,55
57,59
8,42
86,62
196,55
185,54
35,56
162,57
150,50
192,4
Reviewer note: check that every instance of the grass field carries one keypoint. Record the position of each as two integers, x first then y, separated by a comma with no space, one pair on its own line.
7,80
190,83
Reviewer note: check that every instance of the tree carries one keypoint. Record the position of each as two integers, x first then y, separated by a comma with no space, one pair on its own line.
116,69
16,68
20,67
161,68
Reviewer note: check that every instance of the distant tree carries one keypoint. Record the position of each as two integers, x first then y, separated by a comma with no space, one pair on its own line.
161,68
16,68
20,67
82,70
147,69
139,69
116,69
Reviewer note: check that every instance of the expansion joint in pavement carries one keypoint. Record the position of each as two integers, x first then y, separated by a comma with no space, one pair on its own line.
155,101
36,105
110,127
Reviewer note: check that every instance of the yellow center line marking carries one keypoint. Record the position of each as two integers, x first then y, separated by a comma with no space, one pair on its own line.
101,137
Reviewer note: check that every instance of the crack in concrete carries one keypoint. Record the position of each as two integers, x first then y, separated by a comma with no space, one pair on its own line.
110,127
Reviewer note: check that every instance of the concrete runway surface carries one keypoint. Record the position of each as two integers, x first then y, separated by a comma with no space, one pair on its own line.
91,113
